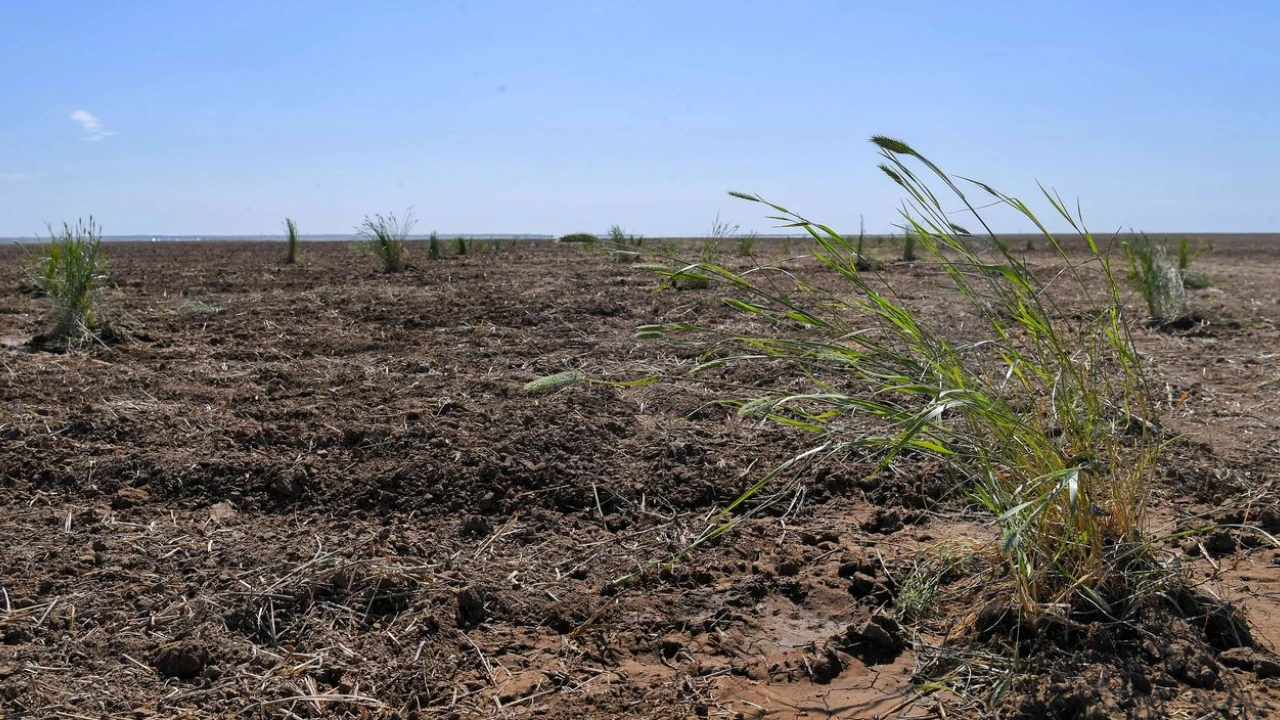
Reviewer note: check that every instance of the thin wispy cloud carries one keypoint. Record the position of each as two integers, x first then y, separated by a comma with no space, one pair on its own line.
13,176
91,125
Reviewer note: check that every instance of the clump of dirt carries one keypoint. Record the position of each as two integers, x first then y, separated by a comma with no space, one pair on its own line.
183,660
1155,647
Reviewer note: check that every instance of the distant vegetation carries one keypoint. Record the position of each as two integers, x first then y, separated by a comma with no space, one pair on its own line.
908,244
579,238
291,246
621,239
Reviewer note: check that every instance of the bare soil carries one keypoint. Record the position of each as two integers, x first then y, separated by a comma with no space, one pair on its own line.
318,490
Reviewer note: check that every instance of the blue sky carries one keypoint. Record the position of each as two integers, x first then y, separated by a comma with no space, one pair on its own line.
223,118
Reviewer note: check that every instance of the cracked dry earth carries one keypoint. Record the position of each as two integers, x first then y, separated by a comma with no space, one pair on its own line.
321,491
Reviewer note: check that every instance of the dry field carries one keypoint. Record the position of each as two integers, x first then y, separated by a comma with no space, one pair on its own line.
319,490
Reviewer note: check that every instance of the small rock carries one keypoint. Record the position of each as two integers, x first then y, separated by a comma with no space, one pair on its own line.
670,645
885,522
878,640
1220,542
127,497
825,666
861,585
1140,682
1266,667
1269,519
1239,658
222,512
882,632
847,569
290,486
476,526
1250,660
819,537
470,608
183,660
788,568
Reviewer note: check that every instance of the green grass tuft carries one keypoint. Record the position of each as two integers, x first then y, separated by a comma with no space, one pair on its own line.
1159,280
1188,252
621,239
292,244
721,230
1047,425
579,238
70,270
384,238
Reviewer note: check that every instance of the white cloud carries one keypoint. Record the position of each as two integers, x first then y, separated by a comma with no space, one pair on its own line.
13,176
92,126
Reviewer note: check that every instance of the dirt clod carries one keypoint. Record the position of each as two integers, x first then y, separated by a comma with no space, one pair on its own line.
476,526
183,660
127,497
878,640
471,610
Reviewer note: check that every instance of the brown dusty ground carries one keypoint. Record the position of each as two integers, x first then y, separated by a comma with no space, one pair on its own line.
320,491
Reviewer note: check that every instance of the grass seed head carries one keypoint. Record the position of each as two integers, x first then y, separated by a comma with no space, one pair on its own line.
554,382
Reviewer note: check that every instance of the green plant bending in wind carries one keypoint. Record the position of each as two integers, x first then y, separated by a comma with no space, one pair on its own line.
70,270
1041,410
384,237
292,243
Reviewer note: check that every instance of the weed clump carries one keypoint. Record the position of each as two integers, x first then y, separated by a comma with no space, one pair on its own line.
579,238
908,244
1047,425
626,248
721,230
1159,280
384,236
622,239
1187,254
70,269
